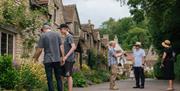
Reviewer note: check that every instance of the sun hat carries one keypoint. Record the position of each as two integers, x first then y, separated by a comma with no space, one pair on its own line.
166,43
137,44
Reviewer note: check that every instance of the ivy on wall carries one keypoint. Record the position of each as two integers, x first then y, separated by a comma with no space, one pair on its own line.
26,21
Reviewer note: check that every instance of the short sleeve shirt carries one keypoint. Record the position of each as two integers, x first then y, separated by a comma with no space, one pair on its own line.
50,42
67,47
111,59
138,55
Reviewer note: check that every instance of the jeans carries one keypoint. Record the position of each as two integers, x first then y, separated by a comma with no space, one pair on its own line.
49,68
139,75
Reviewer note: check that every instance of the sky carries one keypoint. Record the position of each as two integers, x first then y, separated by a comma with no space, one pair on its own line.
99,11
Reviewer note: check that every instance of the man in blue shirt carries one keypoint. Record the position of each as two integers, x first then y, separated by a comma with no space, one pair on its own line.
112,62
139,56
50,43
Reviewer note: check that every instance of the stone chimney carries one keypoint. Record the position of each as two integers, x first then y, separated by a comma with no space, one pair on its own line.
89,22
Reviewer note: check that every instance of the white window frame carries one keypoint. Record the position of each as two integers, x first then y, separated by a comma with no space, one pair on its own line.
8,33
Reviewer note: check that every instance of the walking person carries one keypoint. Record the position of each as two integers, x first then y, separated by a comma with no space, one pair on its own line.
168,64
50,42
138,66
112,62
69,55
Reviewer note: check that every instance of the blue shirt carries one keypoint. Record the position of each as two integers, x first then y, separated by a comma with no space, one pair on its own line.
111,58
67,47
138,55
51,42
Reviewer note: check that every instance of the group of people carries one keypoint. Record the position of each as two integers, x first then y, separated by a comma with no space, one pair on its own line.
139,64
58,55
59,58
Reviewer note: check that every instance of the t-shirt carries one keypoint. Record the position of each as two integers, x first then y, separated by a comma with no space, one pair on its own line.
138,55
111,59
51,42
67,47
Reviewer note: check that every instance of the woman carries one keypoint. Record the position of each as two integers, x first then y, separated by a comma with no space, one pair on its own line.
68,55
168,64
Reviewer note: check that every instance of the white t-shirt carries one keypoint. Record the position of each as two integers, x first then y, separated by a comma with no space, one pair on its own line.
138,55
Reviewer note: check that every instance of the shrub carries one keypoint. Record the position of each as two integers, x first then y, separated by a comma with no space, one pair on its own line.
8,75
79,80
31,76
149,74
158,73
177,68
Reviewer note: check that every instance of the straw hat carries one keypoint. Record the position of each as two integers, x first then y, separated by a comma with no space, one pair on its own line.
138,44
166,43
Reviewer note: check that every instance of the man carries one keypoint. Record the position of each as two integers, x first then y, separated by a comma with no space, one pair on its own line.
139,60
112,62
51,43
68,59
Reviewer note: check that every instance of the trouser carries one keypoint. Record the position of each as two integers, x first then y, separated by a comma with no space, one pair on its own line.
113,76
139,75
49,68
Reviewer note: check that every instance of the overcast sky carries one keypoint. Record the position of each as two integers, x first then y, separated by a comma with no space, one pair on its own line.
98,10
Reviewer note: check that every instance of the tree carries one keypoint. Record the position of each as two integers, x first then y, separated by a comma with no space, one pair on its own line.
163,19
127,31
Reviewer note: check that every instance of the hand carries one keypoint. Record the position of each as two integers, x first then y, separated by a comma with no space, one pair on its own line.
62,62
35,60
162,65
64,58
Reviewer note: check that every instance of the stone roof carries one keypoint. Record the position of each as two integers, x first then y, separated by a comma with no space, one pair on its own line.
96,34
69,12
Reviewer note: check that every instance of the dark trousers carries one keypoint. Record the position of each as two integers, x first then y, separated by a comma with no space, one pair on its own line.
139,75
49,68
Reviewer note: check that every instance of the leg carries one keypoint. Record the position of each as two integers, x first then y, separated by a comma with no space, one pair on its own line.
48,70
171,84
57,71
68,73
113,76
136,74
70,83
142,77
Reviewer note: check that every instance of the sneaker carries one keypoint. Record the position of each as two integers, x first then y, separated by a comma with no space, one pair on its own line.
136,87
169,89
115,88
142,87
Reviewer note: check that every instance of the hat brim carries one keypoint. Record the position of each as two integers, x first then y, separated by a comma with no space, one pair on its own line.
137,45
165,45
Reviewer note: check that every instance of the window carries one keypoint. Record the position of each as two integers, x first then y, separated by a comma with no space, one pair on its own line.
3,43
10,44
55,11
6,43
76,28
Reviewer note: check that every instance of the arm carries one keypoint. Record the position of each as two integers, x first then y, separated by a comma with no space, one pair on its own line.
143,58
37,53
164,56
117,54
73,48
62,50
39,48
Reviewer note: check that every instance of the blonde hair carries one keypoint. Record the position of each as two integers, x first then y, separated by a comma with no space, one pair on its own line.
111,43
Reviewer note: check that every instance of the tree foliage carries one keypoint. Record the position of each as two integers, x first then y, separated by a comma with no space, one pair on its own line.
127,31
163,19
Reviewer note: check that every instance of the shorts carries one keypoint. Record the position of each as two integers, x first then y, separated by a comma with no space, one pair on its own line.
67,69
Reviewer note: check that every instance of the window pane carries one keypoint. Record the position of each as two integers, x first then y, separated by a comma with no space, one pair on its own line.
4,43
10,44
